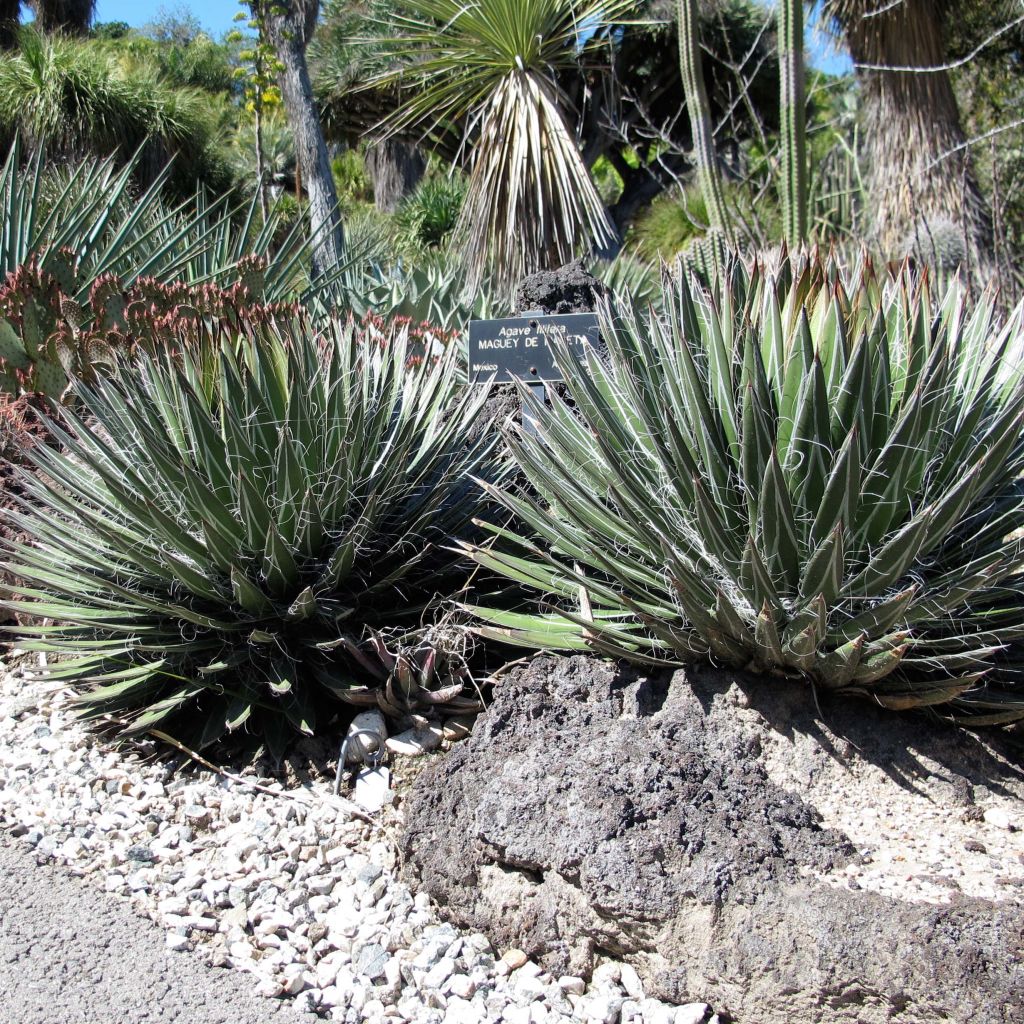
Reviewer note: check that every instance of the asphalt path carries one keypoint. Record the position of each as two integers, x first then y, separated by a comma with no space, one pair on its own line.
70,954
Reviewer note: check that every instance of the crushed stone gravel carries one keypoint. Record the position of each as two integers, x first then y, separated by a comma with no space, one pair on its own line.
284,885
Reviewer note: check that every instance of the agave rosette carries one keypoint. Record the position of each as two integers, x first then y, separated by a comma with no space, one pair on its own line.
221,537
792,472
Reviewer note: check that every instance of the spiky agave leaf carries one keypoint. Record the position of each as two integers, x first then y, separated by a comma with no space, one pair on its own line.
795,472
93,209
210,557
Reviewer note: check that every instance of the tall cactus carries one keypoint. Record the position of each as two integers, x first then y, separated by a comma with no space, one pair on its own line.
794,134
708,173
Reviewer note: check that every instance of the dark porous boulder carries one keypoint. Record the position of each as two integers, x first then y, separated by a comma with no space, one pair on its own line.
603,812
570,289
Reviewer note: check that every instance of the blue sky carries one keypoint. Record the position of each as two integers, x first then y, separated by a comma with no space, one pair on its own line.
216,17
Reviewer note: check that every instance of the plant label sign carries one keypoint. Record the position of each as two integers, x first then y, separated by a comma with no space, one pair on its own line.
519,346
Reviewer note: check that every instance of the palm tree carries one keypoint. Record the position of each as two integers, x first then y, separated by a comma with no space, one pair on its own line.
72,17
924,195
342,62
75,98
493,65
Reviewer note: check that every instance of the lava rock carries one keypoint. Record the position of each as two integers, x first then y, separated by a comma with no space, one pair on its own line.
596,811
570,289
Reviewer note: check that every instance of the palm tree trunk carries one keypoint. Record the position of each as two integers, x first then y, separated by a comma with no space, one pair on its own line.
72,17
396,167
920,176
289,32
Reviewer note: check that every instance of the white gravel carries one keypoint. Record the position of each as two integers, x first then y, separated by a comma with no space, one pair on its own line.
288,886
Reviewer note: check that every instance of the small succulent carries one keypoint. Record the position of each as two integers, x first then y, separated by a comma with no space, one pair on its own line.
425,676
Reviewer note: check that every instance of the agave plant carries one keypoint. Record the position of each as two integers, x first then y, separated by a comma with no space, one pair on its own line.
429,674
95,211
791,473
211,543
428,292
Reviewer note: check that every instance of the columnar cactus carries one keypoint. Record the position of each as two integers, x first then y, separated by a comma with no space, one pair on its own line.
794,135
696,96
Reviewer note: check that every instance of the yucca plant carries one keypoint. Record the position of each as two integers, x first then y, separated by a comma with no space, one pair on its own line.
427,218
794,473
215,538
494,65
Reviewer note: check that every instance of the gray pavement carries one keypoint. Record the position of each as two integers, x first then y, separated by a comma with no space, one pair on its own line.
70,954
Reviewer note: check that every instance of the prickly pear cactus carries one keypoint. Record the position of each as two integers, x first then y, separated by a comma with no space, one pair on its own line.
37,324
49,378
60,264
12,351
49,335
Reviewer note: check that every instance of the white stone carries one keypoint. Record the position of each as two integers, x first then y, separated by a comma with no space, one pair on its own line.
461,1011
631,982
414,742
439,973
655,1012
269,988
606,974
571,985
691,1013
295,979
462,986
176,942
332,996
599,1008
373,789
998,817
202,924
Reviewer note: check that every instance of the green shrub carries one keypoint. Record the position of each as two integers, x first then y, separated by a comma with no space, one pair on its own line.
234,544
427,218
351,178
797,474
75,97
678,220
669,223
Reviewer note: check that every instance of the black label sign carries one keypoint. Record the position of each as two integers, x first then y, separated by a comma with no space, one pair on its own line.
519,346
